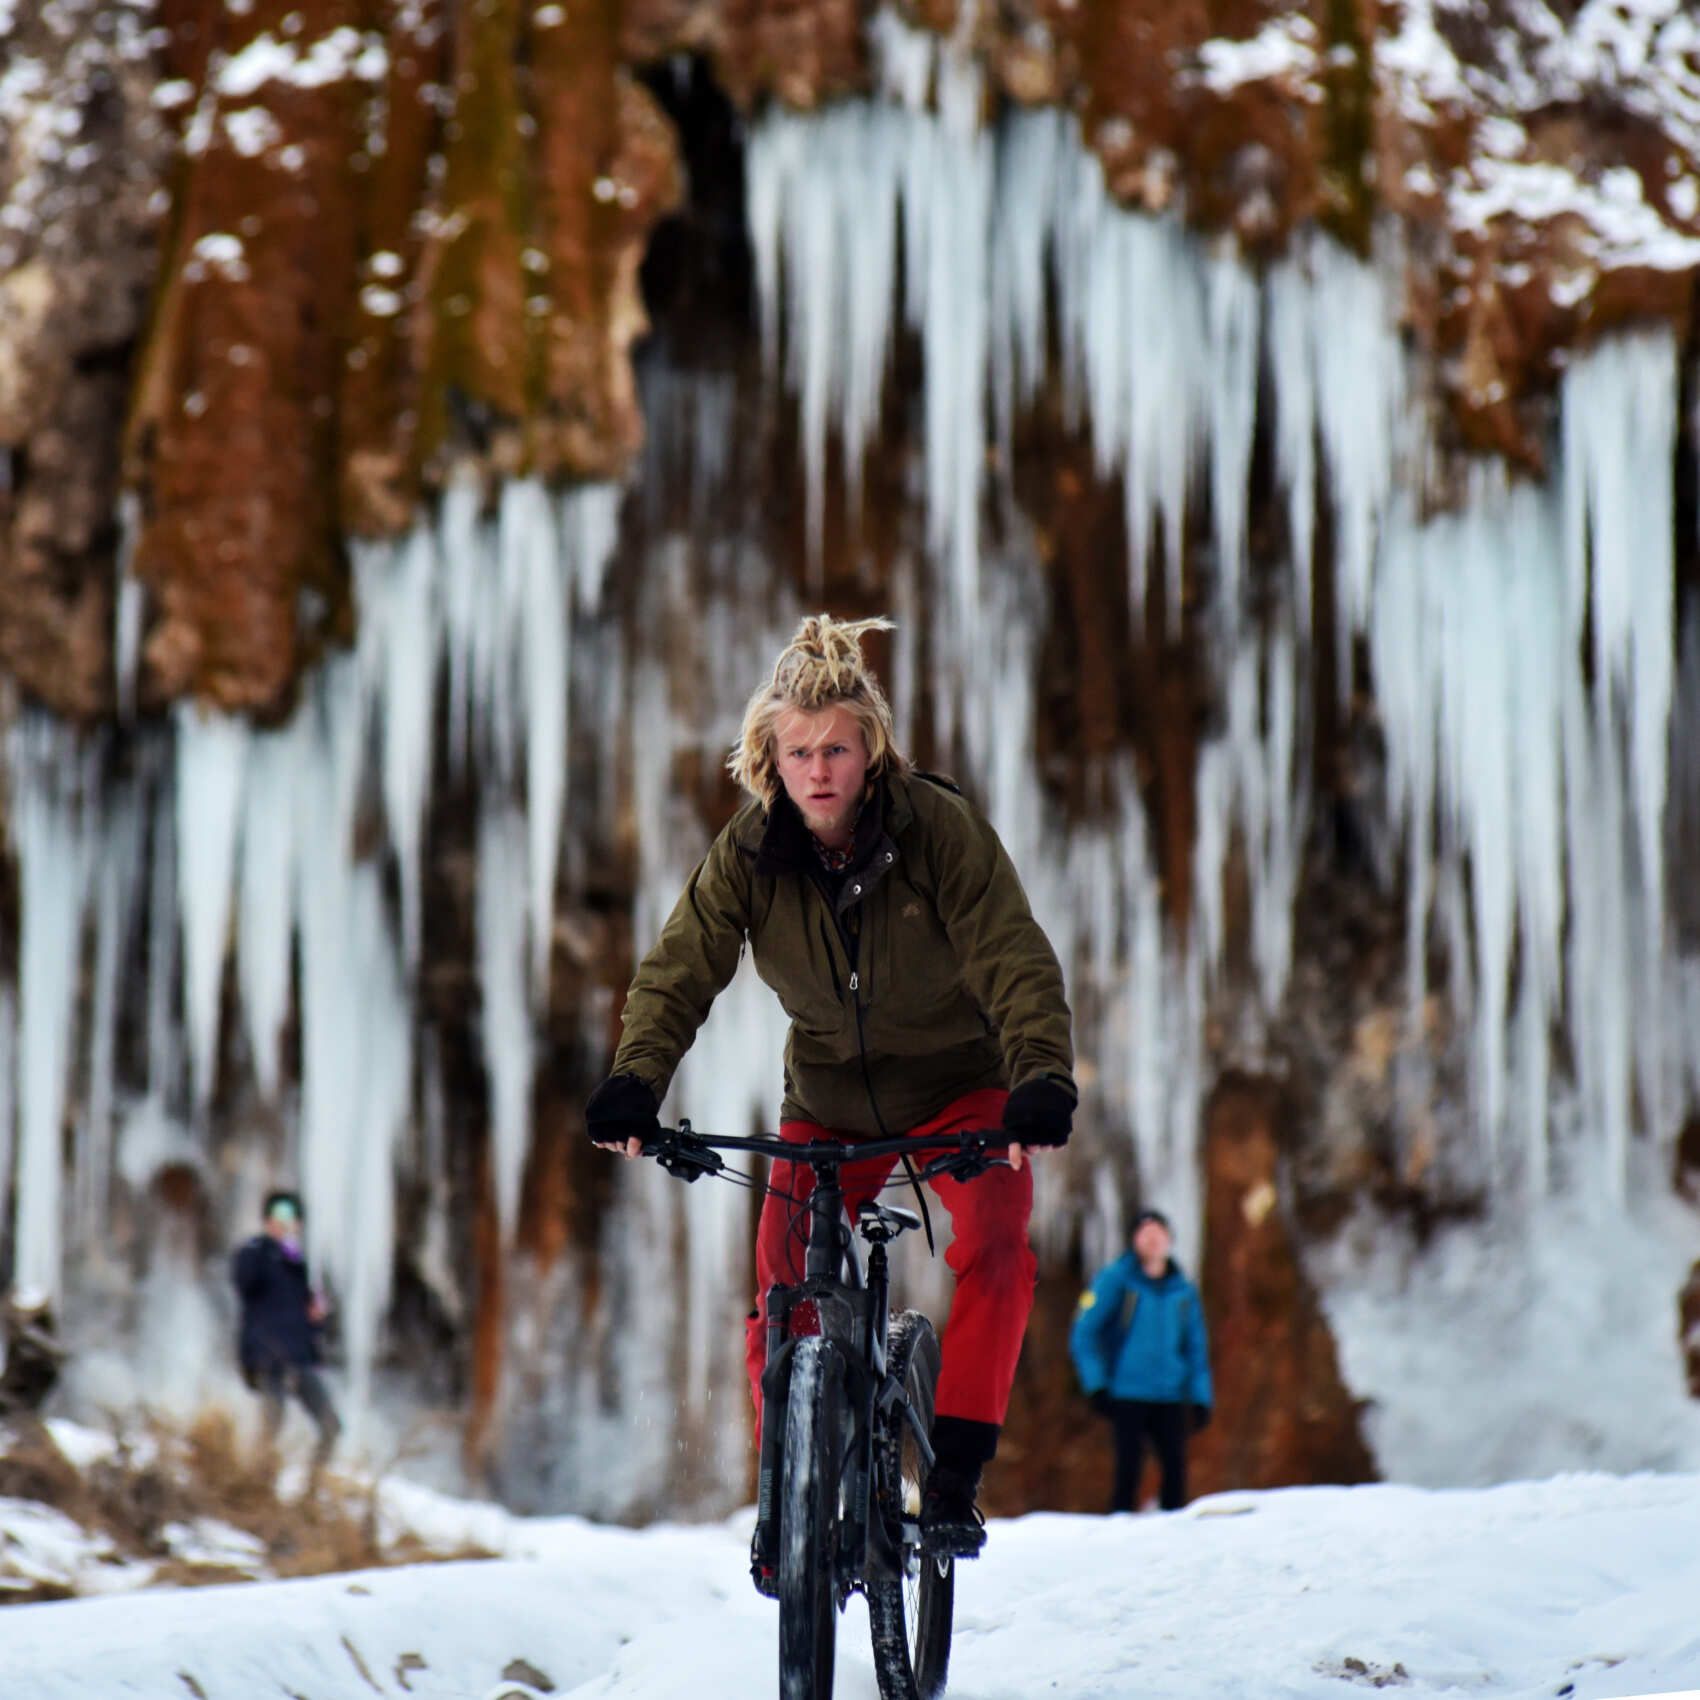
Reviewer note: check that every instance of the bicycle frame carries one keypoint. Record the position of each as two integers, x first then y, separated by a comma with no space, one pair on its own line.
845,1303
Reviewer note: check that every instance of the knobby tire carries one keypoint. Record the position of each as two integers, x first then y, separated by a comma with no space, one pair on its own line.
910,1610
808,1521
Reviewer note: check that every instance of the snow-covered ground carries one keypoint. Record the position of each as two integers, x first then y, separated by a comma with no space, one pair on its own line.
1581,1587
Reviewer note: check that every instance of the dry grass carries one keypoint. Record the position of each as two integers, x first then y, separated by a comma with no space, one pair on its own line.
162,1475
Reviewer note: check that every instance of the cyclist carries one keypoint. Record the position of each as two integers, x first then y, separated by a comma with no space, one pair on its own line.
886,915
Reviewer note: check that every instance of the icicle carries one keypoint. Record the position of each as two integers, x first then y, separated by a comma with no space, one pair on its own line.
465,575
335,1006
544,610
8,1101
1470,653
380,1093
128,607
398,592
118,879
590,514
1619,421
1250,778
164,1043
212,752
823,196
1146,395
506,1013
49,798
1292,363
1033,168
267,898
356,1023
1360,398
1233,348
946,167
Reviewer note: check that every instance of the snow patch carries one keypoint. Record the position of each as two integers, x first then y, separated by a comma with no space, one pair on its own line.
1284,50
342,55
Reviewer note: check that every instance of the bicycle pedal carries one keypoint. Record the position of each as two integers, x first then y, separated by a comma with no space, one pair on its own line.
955,1540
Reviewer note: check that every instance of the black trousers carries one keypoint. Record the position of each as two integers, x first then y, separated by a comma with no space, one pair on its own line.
277,1382
1134,1422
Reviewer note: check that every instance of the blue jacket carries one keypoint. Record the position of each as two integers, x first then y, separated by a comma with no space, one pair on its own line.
1139,1338
276,1332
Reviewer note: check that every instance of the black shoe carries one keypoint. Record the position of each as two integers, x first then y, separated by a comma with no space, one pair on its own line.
951,1524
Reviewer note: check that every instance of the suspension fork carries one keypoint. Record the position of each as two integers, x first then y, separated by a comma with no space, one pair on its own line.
828,1249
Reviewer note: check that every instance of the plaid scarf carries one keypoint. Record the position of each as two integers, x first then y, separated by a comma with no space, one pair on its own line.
836,861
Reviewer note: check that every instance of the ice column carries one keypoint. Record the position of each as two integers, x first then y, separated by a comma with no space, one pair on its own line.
119,866
399,644
1251,779
1291,355
8,1096
1473,661
506,1009
266,905
1360,392
50,779
1619,423
212,751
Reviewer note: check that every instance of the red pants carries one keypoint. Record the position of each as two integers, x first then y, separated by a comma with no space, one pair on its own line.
994,1266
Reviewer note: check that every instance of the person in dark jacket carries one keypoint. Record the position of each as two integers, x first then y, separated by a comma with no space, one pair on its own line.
282,1320
1143,1357
884,912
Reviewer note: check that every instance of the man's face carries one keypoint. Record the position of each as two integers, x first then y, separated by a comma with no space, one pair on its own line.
1152,1242
823,764
284,1223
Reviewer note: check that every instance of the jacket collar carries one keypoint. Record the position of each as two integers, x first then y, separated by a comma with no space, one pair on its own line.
787,846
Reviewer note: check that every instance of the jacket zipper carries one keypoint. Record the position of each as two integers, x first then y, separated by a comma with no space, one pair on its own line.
850,942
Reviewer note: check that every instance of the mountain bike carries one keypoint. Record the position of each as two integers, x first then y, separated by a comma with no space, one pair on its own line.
847,1409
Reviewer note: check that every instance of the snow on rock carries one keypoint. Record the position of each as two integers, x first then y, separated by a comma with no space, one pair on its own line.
1581,1586
342,54
1285,49
1505,78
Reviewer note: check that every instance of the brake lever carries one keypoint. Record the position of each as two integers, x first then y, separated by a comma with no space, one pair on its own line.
686,1160
962,1165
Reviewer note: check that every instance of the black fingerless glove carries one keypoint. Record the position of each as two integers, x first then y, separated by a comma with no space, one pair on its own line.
621,1108
1040,1112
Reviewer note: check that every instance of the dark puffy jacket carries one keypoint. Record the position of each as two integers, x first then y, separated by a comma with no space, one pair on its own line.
924,978
1139,1338
276,1332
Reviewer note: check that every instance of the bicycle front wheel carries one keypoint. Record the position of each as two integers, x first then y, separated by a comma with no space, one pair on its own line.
809,1509
910,1608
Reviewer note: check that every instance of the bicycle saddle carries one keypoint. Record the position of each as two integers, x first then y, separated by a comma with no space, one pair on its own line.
885,1221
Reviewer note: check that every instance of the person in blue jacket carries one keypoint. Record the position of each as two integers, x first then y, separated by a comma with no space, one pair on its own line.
282,1321
1143,1357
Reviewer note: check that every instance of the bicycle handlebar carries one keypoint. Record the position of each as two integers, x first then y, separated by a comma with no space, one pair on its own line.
963,1152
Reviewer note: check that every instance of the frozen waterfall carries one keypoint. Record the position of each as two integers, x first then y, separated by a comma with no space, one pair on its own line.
1523,658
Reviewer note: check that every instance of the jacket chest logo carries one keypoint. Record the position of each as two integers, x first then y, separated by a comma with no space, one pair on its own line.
909,911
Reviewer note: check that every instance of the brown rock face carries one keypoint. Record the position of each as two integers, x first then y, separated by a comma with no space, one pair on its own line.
608,169
400,235
82,159
1688,1317
1283,1414
232,435
390,249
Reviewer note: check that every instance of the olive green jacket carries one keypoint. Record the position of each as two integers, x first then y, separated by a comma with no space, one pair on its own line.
928,977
